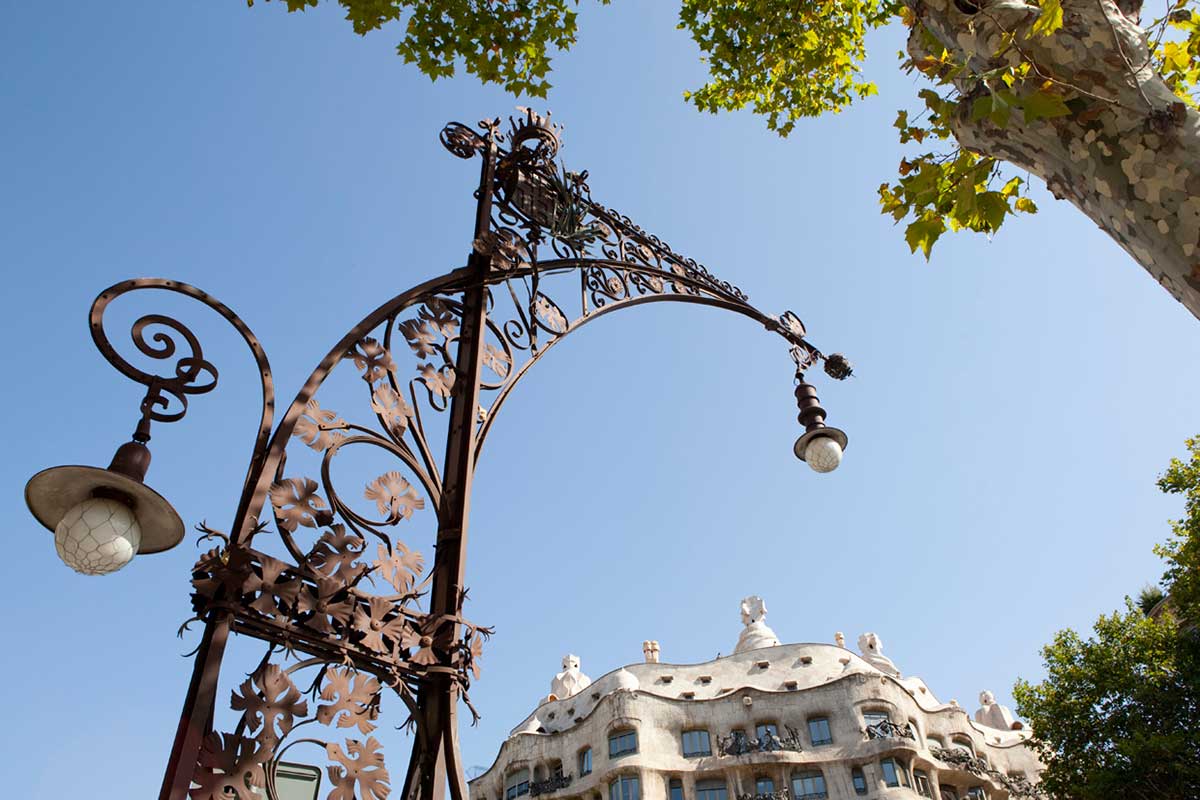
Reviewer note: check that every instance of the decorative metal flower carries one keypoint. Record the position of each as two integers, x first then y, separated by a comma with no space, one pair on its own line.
438,382
328,605
274,706
394,496
420,639
373,359
355,697
230,768
297,503
363,767
334,554
392,408
400,566
381,619
276,591
317,428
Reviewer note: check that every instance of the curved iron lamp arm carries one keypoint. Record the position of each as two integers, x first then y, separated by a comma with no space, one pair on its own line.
537,229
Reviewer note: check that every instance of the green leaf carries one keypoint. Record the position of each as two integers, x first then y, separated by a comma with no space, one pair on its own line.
923,233
1044,105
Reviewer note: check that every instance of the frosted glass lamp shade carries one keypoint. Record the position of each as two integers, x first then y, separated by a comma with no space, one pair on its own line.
821,448
60,494
97,536
823,454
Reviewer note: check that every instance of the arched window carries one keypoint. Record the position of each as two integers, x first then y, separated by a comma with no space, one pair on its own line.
622,743
934,742
585,761
923,787
948,793
895,772
963,743
808,785
625,787
696,743
818,731
516,784
712,789
859,780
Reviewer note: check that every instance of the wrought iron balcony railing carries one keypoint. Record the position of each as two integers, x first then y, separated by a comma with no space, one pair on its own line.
549,786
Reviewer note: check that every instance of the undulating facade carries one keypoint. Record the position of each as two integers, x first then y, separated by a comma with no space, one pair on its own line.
770,721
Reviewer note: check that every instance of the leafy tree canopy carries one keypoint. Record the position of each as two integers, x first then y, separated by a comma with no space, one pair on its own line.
788,61
1116,714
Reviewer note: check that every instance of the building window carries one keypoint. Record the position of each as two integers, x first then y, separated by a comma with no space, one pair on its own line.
696,744
977,793
808,786
585,761
818,731
714,789
933,741
764,730
625,787
676,787
517,784
948,793
921,779
764,786
963,744
895,773
622,743
859,780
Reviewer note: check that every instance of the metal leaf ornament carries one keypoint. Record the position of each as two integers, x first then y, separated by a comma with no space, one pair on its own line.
363,767
355,697
382,619
273,588
275,705
230,768
438,382
373,359
335,552
297,503
327,604
400,567
316,428
421,337
392,408
394,496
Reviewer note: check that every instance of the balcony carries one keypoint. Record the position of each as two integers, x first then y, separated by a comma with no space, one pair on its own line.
549,786
886,729
738,743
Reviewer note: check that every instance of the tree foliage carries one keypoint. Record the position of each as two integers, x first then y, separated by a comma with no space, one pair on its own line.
1116,714
500,41
989,75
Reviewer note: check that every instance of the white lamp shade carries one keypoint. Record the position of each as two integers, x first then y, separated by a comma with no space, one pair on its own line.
823,454
97,536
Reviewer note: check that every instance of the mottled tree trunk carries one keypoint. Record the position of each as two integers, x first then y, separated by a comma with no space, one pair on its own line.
1128,157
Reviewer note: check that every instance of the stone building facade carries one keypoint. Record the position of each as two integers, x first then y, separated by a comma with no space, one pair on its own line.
770,721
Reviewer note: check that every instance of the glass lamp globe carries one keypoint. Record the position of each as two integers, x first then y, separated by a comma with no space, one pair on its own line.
98,536
822,448
823,454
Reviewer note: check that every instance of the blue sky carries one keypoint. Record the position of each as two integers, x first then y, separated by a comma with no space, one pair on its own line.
1012,404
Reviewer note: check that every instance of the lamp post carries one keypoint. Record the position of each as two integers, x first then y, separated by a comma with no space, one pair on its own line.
346,608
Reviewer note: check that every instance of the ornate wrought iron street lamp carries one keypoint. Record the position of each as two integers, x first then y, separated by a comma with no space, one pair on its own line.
348,605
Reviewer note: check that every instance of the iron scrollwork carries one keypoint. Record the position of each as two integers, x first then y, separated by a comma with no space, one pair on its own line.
346,607
886,729
737,743
550,785
1016,786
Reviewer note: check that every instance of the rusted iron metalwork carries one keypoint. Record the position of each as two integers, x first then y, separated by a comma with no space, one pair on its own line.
347,609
